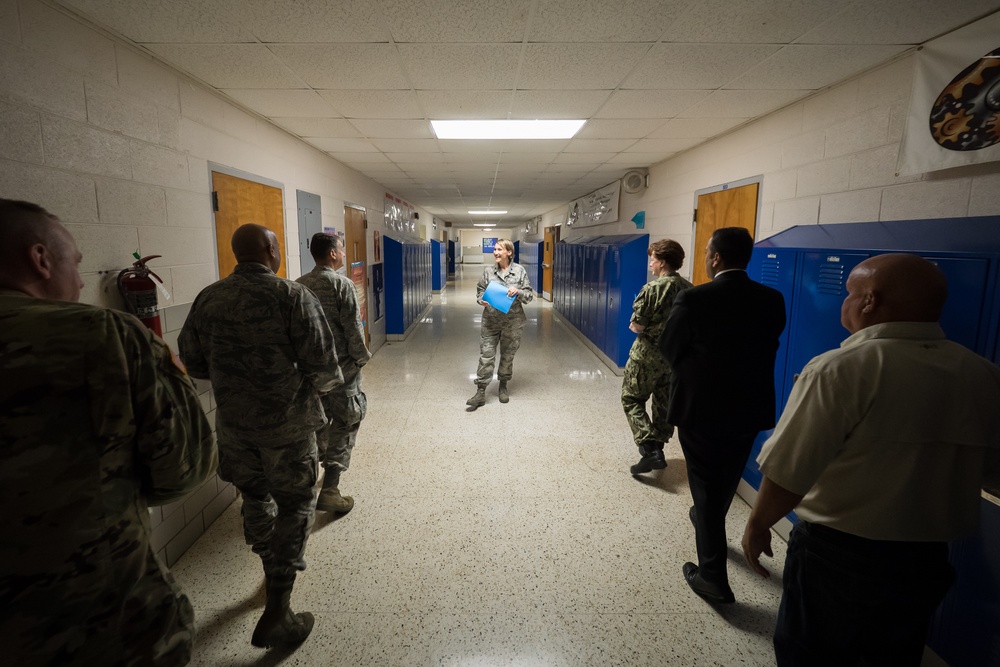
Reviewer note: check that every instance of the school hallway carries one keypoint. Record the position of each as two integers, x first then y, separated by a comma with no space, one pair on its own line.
509,535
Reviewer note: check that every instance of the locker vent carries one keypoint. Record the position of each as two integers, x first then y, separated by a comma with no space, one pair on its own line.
831,278
769,272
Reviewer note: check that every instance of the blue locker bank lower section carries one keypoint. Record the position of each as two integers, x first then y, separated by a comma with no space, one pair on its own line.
408,265
595,281
809,265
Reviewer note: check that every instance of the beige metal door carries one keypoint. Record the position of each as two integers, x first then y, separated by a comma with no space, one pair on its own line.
240,201
734,207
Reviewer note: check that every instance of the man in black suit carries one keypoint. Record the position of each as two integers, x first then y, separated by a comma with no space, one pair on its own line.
720,340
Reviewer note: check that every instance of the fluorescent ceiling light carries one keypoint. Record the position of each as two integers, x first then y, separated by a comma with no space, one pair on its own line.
487,212
506,129
484,224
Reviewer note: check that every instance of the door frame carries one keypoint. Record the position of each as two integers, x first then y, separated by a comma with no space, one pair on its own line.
247,176
759,180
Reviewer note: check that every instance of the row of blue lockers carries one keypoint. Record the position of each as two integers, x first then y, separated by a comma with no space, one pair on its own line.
408,265
439,266
595,280
809,265
452,254
529,255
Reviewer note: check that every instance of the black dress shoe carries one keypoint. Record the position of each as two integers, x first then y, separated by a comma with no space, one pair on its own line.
713,593
650,461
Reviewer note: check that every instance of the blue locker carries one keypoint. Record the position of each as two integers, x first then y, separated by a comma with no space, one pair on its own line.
966,628
451,258
439,266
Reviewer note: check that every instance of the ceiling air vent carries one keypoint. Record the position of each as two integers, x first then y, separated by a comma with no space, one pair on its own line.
634,181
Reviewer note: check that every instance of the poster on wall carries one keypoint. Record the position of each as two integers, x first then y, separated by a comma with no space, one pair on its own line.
597,208
398,215
489,243
954,117
378,246
358,278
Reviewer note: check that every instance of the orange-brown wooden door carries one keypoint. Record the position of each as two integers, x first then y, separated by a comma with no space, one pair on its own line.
241,201
548,258
357,251
735,207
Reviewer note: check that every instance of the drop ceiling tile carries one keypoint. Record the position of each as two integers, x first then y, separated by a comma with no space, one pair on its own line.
485,157
407,145
309,20
598,21
578,66
570,168
511,158
557,103
341,145
460,66
650,103
361,158
357,103
812,66
598,145
672,145
695,66
695,127
740,103
614,128
286,103
897,21
229,65
415,159
758,22
334,66
317,127
464,104
638,159
589,159
444,21
394,129
146,21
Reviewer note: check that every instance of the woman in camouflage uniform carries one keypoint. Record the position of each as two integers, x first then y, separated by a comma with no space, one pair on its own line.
647,373
499,329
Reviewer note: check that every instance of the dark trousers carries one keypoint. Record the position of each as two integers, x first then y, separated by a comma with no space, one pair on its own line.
715,462
853,601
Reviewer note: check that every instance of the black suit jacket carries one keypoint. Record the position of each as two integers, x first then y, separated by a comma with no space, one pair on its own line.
720,340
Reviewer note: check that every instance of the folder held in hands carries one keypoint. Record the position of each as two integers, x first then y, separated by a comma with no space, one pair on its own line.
496,296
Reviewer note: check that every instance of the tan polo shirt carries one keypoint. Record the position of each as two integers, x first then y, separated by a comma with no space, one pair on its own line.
891,436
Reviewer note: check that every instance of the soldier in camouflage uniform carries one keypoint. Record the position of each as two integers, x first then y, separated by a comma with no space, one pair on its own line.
97,424
500,329
265,345
647,374
346,405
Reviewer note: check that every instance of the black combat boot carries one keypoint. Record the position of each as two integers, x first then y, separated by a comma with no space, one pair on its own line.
652,458
279,625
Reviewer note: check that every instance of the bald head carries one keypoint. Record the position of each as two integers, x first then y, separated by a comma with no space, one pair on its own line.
38,256
893,288
256,243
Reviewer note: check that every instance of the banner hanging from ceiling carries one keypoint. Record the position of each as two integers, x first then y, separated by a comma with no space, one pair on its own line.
597,208
954,115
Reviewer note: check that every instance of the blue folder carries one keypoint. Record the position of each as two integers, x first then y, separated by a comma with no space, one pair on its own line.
496,296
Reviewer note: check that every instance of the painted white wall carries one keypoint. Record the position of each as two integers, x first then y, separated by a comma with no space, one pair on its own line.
828,159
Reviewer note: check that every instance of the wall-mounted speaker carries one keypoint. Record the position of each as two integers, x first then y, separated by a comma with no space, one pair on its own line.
635,181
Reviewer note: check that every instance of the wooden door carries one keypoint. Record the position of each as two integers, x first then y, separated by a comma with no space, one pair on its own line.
355,234
548,260
734,207
239,201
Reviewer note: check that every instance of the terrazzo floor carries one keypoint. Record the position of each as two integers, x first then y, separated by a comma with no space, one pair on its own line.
508,535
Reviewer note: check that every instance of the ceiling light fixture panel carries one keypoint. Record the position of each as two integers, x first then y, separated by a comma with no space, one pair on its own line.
506,129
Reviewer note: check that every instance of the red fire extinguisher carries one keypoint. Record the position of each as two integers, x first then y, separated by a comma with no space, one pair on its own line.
138,286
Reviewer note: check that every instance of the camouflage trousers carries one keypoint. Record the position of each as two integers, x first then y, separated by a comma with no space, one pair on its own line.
505,335
279,498
644,380
345,408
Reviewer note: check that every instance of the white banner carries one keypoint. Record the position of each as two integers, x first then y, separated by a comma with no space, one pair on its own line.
954,116
598,207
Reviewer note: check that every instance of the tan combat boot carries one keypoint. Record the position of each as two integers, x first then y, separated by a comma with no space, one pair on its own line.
479,399
330,500
504,394
278,625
